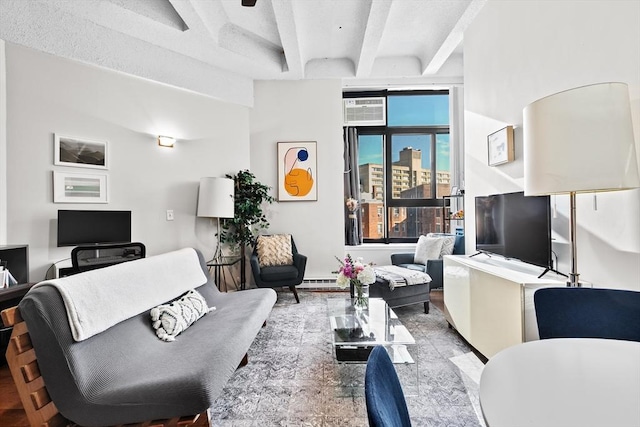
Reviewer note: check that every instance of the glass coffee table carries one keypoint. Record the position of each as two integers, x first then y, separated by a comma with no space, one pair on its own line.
357,332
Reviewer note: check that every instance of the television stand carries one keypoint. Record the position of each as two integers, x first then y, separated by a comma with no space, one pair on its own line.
489,303
548,269
84,258
488,254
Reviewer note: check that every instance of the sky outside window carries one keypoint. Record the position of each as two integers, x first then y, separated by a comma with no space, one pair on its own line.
418,110
370,149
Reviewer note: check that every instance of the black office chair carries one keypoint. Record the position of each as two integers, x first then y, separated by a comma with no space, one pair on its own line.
277,276
91,257
386,406
587,313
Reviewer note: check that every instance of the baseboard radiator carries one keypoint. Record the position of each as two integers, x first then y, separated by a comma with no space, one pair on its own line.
321,283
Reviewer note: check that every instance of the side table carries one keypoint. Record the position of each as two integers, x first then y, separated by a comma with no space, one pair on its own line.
219,264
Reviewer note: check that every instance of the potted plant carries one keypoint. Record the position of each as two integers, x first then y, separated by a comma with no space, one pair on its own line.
249,218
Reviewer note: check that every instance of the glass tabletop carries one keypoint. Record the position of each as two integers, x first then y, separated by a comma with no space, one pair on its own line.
223,261
377,325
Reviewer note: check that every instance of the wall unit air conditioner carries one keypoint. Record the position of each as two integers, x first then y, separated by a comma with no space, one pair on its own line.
364,111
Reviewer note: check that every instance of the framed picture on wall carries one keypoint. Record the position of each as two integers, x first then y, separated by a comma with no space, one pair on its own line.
79,152
500,146
297,171
79,188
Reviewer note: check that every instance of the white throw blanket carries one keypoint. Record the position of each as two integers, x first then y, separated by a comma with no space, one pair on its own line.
98,299
400,276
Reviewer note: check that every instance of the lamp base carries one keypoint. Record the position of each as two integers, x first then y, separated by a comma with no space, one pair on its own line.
579,284
217,255
574,281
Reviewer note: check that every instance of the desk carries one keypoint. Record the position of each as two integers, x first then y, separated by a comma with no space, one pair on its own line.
219,264
563,382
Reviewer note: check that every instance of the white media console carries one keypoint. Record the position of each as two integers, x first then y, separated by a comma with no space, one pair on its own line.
490,301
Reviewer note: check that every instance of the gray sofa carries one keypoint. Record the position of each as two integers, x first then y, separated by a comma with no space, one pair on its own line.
433,267
125,374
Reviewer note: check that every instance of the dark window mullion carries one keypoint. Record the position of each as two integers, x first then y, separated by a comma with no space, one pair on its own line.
387,131
434,178
414,203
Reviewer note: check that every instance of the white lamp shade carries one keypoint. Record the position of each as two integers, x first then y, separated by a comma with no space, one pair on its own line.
215,198
580,140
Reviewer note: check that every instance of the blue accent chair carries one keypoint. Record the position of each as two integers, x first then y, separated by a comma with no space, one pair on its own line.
386,406
587,313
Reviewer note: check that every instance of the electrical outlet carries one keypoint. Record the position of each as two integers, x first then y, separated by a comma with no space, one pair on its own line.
170,215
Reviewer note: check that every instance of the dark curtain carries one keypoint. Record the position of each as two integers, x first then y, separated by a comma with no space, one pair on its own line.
353,219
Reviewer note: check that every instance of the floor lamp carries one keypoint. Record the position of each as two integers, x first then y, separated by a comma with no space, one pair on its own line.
579,141
215,200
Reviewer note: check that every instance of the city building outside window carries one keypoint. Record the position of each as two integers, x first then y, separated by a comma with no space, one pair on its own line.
404,167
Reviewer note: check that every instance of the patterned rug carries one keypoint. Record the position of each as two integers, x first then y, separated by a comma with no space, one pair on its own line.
293,379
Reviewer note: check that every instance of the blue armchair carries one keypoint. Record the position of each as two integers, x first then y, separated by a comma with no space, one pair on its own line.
433,267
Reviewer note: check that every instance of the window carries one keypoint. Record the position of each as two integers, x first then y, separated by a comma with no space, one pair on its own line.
405,167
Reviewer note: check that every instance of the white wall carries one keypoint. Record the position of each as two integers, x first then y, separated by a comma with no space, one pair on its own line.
47,95
3,145
308,110
519,51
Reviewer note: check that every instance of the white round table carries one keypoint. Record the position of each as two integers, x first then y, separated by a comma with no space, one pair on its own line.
563,382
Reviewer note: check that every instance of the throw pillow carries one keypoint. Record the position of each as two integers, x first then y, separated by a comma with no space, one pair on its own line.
171,319
274,250
426,249
448,242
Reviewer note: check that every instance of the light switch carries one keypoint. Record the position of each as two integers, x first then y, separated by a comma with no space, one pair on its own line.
170,215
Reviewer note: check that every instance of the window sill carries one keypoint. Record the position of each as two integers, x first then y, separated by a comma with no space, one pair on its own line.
379,253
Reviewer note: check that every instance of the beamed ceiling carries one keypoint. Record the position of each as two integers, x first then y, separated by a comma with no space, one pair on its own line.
218,46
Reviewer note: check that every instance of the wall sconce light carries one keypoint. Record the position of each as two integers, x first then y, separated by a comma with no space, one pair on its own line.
166,141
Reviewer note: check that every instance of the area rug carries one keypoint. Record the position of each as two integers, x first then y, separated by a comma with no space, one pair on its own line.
293,379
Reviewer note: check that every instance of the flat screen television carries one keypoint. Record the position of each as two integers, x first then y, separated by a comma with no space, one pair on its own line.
76,227
515,226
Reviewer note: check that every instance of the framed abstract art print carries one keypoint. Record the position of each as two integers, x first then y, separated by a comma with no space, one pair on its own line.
297,171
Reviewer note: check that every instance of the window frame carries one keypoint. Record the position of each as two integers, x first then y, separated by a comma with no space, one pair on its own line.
387,133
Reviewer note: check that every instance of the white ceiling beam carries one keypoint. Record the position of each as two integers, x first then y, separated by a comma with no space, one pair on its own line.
211,20
211,14
285,21
454,38
194,42
189,15
378,14
36,24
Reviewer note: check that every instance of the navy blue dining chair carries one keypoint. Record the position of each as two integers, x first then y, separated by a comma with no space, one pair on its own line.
587,313
386,406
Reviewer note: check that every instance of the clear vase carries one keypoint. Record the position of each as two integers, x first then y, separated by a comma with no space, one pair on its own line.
361,297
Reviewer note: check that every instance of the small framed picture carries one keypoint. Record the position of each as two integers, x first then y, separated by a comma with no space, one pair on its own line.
297,171
79,188
500,146
79,152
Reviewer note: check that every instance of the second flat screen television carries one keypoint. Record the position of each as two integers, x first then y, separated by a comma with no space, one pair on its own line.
78,227
515,226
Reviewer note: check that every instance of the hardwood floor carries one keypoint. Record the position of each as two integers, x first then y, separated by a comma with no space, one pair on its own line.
12,414
436,297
